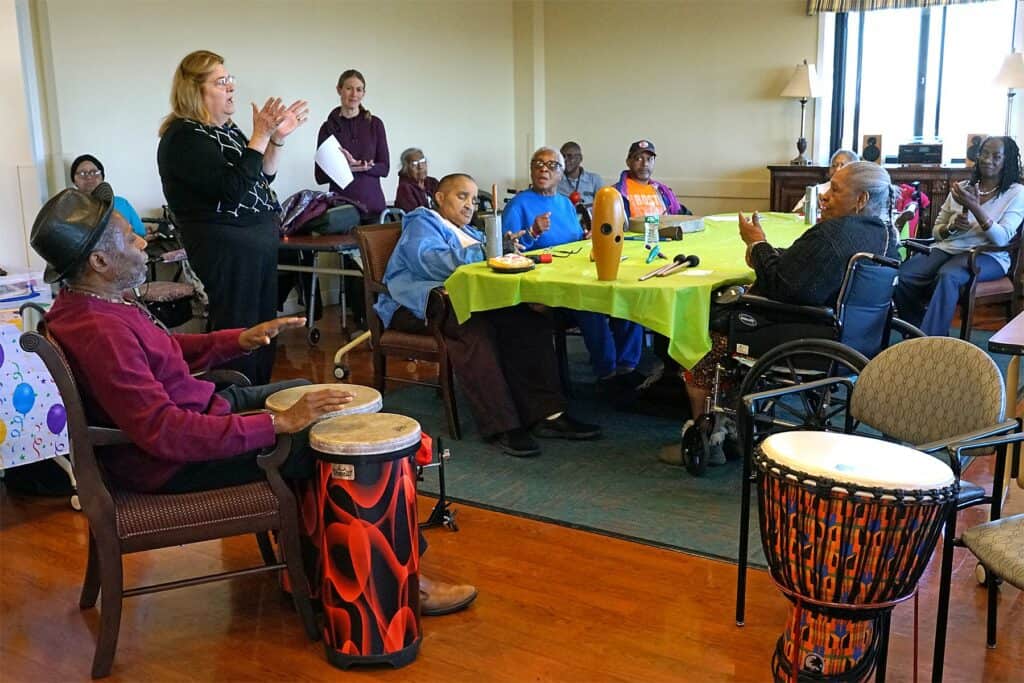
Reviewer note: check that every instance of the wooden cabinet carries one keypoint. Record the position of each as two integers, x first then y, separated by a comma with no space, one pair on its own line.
789,182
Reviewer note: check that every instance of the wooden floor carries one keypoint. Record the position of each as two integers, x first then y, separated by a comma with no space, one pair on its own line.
555,604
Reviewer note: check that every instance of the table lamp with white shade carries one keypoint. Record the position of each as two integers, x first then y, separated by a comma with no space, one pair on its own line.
802,85
1010,76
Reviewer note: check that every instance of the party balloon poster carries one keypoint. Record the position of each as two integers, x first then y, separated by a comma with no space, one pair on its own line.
33,423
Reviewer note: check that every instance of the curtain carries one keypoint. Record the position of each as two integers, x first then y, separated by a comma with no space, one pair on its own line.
815,6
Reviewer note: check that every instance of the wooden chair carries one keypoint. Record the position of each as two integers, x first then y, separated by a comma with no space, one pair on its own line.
1007,290
122,522
377,242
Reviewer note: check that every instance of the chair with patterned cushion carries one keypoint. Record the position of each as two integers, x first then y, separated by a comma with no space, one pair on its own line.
999,546
966,404
376,243
121,522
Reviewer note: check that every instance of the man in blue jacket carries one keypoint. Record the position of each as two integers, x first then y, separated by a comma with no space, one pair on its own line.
504,358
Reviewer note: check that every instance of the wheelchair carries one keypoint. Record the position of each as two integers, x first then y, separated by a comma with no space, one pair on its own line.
773,344
180,298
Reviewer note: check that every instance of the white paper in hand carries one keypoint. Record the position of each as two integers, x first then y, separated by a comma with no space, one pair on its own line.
332,161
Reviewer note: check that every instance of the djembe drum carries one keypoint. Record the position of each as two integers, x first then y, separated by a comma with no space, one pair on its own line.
366,489
366,400
848,524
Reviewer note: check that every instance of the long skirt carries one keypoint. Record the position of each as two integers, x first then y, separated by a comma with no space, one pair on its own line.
238,267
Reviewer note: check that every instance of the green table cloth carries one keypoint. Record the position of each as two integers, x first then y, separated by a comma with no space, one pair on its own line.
676,306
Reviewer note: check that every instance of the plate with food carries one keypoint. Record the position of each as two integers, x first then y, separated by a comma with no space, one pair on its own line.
510,263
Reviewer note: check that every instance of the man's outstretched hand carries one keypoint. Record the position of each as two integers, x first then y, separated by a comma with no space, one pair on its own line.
260,335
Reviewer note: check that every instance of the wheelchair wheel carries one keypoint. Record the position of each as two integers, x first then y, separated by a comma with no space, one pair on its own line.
695,447
342,372
794,363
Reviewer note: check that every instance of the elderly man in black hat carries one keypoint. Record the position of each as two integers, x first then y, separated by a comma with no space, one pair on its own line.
135,374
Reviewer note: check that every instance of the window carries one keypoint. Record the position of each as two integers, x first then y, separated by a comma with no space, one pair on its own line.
923,73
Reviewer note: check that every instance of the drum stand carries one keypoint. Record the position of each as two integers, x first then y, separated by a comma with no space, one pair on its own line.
442,514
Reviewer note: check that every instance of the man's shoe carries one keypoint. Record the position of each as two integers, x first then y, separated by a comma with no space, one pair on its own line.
517,443
566,427
438,599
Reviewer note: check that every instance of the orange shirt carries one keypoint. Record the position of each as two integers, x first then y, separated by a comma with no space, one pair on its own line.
644,200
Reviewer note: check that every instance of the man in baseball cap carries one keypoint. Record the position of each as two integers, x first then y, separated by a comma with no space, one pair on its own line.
641,194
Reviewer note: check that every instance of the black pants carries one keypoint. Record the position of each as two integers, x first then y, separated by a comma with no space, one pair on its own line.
505,361
242,469
238,268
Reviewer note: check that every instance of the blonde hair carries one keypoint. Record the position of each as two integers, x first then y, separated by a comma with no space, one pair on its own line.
187,88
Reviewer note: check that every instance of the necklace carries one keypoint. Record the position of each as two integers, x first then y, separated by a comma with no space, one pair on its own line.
124,302
985,193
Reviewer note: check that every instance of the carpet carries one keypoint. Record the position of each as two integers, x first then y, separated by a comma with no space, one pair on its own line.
613,486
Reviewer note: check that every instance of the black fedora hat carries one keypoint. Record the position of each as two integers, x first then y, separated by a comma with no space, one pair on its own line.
68,227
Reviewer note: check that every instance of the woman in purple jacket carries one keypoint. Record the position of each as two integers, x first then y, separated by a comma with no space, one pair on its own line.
364,143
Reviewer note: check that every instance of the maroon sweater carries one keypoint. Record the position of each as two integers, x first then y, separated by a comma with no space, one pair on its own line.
364,138
410,195
135,376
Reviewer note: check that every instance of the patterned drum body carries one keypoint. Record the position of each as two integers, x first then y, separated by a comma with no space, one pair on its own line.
848,525
369,538
366,400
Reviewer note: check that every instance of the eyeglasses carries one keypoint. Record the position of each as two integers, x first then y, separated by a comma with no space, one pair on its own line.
225,81
418,162
89,174
552,165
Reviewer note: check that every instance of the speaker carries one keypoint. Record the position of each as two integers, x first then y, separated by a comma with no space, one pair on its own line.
974,141
872,149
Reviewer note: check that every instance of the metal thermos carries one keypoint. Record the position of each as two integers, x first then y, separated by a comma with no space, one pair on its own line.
811,205
492,234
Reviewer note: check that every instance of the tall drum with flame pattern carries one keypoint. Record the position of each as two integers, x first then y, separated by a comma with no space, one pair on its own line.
364,400
848,523
366,490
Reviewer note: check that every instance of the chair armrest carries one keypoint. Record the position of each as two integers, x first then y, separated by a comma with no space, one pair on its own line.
760,303
438,308
225,376
107,436
972,254
905,329
957,443
972,437
273,459
750,401
920,246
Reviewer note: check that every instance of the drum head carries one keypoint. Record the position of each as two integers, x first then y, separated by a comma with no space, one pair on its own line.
365,434
367,399
857,460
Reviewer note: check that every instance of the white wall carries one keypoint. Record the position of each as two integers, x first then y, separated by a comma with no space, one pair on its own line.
18,195
439,74
700,79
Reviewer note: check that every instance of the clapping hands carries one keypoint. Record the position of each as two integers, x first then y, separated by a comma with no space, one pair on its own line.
276,121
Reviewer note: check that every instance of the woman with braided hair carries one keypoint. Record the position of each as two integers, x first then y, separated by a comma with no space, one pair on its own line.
986,210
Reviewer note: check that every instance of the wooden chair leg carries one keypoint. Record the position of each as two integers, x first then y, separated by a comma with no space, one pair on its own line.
967,318
266,548
451,411
289,540
111,581
380,366
91,583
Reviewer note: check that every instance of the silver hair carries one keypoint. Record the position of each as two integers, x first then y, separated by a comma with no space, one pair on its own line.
550,150
865,176
404,169
849,153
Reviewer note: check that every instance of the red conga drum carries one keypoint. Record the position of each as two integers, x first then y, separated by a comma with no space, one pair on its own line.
848,524
369,543
366,400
